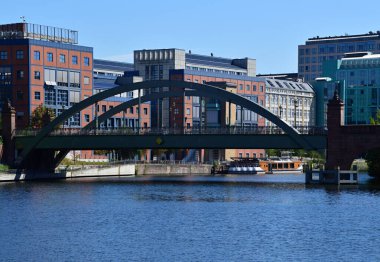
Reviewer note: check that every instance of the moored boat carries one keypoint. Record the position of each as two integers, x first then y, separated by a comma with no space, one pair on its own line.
280,165
245,166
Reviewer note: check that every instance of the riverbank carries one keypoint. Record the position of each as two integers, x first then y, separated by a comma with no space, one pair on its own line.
111,171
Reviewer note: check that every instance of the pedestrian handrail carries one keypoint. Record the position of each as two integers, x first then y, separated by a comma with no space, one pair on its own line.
233,130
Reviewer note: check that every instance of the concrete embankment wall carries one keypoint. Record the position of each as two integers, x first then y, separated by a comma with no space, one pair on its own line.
173,169
119,170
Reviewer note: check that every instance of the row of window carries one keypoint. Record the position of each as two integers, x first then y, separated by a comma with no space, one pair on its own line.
54,97
62,58
254,155
19,55
340,48
49,57
215,70
248,88
131,110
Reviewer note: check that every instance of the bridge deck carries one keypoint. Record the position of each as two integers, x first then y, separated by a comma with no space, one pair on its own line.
123,139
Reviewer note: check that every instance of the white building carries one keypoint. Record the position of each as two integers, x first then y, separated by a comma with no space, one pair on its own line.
293,102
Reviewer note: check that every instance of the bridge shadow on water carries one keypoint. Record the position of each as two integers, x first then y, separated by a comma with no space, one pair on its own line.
289,182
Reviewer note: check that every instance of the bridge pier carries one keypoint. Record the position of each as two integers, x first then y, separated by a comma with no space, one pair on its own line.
8,131
347,143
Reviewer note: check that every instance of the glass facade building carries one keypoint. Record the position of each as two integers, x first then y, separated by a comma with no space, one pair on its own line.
317,50
358,76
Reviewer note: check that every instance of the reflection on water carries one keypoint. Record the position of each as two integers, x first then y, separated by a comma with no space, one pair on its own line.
233,218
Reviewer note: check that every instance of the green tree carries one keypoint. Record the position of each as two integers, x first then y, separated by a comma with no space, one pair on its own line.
373,162
273,152
41,116
376,120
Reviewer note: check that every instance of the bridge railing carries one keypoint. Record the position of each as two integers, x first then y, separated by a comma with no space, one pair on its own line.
233,130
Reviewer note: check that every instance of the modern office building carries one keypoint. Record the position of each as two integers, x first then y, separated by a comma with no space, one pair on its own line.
105,74
316,50
236,74
357,77
293,102
44,65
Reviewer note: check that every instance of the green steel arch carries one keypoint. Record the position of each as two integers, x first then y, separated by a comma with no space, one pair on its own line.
202,89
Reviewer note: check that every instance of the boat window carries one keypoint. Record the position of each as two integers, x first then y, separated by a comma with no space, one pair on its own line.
286,165
279,165
291,165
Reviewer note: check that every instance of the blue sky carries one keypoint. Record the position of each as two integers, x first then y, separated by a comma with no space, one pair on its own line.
269,30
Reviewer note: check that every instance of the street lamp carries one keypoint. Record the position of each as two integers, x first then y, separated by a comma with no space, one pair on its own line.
280,109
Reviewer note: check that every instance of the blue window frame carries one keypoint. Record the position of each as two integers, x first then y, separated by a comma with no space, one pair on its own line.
74,60
63,97
19,54
3,55
86,61
50,57
62,58
37,55
50,96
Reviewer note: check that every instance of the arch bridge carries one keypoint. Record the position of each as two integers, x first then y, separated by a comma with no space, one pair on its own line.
39,148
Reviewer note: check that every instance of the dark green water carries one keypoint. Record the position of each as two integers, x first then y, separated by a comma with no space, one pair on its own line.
270,218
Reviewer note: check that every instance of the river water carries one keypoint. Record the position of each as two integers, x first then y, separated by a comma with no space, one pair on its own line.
257,218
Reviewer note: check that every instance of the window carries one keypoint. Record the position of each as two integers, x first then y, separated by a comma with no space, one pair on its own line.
37,55
49,75
131,110
104,108
20,74
75,98
62,98
62,58
62,78
86,80
86,61
87,118
74,60
5,76
50,96
261,89
37,95
3,55
240,87
240,155
19,54
37,75
247,155
74,79
187,111
254,88
145,111
50,57
247,88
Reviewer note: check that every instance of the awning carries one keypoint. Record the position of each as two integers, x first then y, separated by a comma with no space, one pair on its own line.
50,83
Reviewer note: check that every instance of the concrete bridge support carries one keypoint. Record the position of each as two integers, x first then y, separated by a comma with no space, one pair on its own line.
8,127
346,143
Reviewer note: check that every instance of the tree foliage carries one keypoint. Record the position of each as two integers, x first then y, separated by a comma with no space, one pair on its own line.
373,162
376,120
41,116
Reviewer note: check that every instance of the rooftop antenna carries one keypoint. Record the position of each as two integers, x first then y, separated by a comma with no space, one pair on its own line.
23,19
